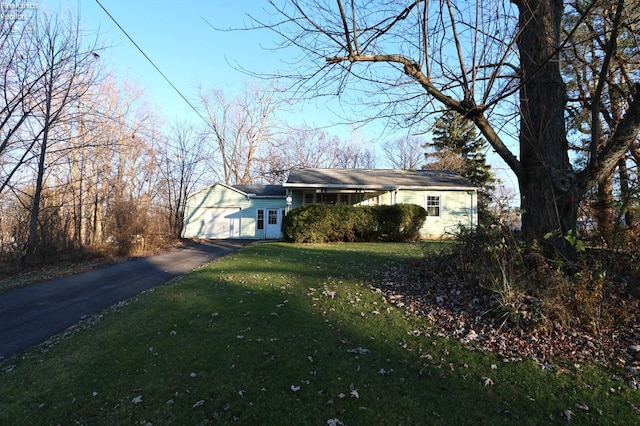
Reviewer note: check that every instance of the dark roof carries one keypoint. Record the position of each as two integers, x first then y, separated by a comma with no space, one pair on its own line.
376,178
262,190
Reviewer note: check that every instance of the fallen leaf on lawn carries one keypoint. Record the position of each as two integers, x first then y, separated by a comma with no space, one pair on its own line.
486,381
341,395
494,367
354,392
584,407
334,422
198,404
137,399
329,293
295,388
568,414
359,350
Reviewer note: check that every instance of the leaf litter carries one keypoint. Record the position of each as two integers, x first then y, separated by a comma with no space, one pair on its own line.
461,311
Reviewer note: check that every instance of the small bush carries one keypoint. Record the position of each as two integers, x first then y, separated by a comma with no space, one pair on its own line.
317,223
531,291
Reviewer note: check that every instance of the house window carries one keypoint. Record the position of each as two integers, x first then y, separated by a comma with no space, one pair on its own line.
273,217
344,199
433,205
260,222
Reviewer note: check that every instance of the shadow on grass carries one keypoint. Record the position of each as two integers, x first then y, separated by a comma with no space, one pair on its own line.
279,334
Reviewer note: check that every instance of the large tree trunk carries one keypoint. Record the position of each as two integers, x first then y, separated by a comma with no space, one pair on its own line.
32,240
547,183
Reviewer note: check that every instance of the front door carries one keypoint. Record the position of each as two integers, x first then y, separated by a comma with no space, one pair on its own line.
272,229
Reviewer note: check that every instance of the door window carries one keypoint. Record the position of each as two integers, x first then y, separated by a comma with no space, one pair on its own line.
273,217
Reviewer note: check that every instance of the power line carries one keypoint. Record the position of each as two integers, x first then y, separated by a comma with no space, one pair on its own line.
152,63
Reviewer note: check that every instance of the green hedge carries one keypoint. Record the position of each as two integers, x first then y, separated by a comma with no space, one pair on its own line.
322,223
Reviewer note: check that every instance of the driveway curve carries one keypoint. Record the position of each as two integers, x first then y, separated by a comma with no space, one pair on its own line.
30,315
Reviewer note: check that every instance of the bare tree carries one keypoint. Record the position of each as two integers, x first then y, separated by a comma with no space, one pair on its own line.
68,69
404,153
481,59
302,147
594,76
18,82
239,128
181,158
354,155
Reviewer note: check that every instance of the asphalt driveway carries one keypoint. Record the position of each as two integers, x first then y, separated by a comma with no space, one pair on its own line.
31,315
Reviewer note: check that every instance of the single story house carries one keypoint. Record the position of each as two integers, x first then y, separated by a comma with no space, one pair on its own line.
239,211
256,211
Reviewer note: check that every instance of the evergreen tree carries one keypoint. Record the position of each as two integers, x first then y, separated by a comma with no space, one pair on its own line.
456,146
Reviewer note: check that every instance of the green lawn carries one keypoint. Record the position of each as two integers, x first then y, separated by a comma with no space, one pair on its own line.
291,334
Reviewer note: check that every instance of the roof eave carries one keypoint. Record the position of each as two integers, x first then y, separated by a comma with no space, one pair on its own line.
381,187
439,188
267,196
338,186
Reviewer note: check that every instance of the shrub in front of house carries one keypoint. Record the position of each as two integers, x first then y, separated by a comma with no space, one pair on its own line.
399,222
318,223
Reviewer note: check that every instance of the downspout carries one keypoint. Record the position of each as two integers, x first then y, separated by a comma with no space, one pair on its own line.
472,211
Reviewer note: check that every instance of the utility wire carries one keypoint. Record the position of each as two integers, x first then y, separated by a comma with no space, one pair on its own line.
152,63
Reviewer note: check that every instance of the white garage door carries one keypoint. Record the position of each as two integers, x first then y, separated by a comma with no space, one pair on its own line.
222,223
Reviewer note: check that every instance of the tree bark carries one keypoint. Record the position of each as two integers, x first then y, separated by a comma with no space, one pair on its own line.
30,257
547,183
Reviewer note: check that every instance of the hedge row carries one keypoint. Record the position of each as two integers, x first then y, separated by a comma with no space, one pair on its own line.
323,223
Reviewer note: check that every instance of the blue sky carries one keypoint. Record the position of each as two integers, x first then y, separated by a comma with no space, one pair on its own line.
174,35
190,52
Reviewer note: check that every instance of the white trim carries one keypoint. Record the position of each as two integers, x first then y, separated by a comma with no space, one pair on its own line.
440,203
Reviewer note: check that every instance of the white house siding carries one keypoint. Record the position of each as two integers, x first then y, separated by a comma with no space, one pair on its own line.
240,222
250,215
456,208
207,202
